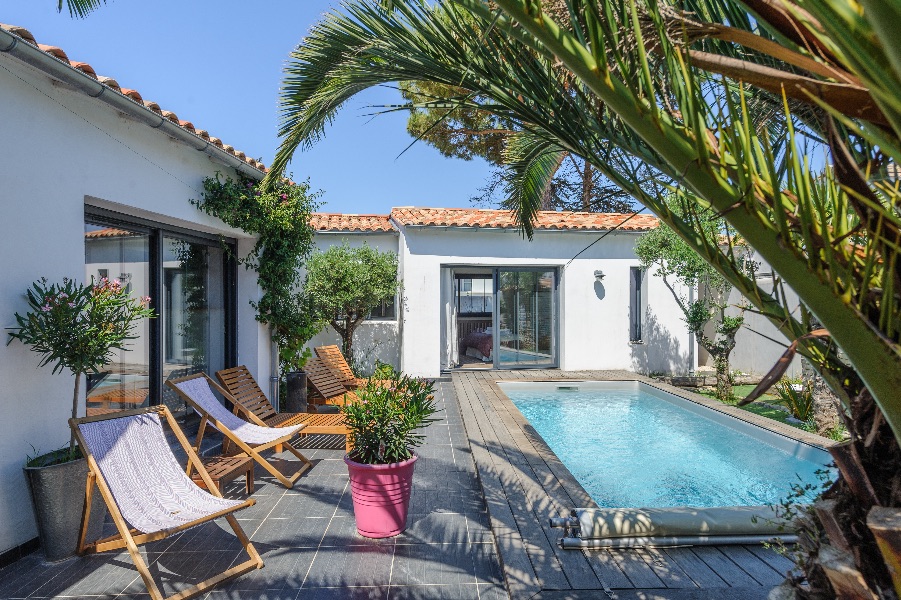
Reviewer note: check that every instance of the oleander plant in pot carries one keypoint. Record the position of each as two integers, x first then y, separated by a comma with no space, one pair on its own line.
77,328
386,424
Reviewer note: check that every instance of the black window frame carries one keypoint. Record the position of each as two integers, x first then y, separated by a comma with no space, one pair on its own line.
636,304
460,277
94,215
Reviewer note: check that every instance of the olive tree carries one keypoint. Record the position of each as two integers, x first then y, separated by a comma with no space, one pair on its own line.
677,264
344,284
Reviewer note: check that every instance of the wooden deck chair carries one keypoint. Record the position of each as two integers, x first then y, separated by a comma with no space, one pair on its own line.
326,387
246,392
334,360
250,438
147,492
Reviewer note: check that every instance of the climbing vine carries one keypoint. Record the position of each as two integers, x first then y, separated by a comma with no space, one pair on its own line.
280,218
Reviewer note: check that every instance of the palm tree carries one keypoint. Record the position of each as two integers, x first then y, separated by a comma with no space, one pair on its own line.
722,114
80,8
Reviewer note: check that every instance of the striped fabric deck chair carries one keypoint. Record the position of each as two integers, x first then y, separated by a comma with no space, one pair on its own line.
326,387
334,360
248,396
147,492
250,438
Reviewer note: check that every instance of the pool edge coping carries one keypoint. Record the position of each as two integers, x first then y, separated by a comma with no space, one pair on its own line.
515,553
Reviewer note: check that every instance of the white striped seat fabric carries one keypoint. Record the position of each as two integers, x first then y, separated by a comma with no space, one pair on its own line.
148,485
199,391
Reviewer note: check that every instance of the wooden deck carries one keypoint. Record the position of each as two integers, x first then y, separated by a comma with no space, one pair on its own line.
524,483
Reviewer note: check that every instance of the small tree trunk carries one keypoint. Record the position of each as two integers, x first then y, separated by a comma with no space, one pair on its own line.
74,413
587,187
825,402
723,380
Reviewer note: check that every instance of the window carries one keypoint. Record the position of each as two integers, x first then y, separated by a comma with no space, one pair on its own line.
190,280
475,295
384,312
636,303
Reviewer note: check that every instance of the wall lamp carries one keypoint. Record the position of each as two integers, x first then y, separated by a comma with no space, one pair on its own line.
599,276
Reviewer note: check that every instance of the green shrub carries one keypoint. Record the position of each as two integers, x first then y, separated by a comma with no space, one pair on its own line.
798,402
385,422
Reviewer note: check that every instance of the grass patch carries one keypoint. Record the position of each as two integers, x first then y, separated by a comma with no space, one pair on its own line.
740,391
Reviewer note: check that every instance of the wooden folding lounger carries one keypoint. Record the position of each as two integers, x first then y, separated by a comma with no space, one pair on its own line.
327,389
251,439
247,394
147,492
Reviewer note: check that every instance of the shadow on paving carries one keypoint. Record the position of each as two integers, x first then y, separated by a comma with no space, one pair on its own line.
308,540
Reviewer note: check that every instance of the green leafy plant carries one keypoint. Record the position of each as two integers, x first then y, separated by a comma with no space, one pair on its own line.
383,370
345,284
386,421
799,402
280,218
77,327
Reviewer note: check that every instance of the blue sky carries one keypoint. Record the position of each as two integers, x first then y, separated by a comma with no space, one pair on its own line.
218,65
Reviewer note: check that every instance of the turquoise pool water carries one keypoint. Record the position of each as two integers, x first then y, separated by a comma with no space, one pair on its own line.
631,445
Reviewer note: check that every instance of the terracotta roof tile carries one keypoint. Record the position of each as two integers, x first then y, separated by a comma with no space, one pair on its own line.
110,232
87,69
503,219
19,31
133,94
110,83
55,51
341,222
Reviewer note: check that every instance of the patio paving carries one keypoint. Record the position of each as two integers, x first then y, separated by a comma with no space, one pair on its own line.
308,539
484,486
524,483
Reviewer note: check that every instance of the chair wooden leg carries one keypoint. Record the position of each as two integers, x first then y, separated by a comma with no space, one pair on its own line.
86,513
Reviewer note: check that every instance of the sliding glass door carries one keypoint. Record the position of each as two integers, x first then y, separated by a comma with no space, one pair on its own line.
526,318
190,278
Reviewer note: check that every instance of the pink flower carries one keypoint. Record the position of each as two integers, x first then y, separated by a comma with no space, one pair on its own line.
46,308
284,196
63,295
71,305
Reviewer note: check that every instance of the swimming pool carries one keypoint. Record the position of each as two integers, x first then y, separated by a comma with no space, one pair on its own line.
632,445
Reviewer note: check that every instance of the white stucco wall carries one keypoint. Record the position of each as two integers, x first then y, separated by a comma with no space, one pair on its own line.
594,317
373,339
755,351
53,163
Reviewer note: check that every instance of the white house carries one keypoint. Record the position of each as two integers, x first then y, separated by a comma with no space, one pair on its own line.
97,181
574,297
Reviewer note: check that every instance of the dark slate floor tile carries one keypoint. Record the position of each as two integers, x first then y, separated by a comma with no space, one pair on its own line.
327,467
486,563
313,500
342,531
445,564
458,591
297,532
357,566
284,569
344,593
434,528
177,572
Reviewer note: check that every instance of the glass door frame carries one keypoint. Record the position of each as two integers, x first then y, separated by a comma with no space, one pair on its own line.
157,231
555,318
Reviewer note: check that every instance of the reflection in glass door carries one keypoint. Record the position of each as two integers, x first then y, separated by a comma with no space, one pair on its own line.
120,254
526,318
193,316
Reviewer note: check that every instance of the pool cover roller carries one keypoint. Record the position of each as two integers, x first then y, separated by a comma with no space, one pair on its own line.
626,527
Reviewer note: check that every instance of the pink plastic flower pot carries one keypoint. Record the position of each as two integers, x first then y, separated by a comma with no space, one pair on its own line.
381,495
